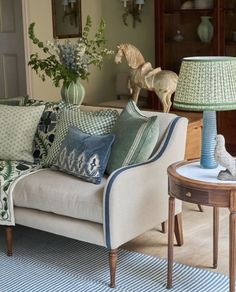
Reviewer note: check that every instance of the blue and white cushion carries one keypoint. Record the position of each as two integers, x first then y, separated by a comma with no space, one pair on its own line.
83,155
94,123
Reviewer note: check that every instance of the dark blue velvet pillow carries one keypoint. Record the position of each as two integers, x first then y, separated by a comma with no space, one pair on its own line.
83,155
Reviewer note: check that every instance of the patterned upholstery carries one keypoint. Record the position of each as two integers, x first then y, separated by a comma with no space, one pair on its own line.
84,156
46,130
93,123
18,127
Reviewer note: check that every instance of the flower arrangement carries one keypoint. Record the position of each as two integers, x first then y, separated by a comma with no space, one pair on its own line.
69,61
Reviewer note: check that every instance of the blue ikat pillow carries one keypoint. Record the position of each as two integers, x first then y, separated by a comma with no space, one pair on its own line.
83,155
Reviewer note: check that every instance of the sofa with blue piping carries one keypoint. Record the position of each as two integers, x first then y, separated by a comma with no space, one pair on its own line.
132,200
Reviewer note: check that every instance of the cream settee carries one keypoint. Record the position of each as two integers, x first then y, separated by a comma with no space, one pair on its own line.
130,201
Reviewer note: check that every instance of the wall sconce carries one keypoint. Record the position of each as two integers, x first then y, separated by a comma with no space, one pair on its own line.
70,10
133,7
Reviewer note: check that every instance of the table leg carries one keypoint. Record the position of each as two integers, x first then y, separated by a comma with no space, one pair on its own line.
232,250
164,227
171,222
200,208
215,236
9,239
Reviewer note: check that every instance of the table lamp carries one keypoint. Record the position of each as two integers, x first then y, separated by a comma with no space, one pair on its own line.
207,84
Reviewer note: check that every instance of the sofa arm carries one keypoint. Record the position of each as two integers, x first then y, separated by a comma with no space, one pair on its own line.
136,197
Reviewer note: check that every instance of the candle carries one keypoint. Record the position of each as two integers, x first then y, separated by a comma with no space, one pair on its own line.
139,3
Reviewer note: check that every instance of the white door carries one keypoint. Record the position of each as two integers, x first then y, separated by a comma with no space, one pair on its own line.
12,55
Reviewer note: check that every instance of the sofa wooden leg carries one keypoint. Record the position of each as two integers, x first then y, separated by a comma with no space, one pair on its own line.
179,229
113,255
164,227
9,239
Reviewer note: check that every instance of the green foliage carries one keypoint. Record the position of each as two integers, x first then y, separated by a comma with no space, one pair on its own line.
66,61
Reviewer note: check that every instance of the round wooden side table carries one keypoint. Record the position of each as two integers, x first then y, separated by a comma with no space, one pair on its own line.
191,183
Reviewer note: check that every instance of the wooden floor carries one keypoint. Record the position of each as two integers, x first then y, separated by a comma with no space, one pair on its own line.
197,249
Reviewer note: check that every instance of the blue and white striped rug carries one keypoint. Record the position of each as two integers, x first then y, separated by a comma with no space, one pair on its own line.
44,262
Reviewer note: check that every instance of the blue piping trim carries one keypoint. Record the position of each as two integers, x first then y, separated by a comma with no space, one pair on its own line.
114,176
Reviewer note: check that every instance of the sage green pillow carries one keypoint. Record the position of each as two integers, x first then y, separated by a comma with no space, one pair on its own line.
135,138
18,125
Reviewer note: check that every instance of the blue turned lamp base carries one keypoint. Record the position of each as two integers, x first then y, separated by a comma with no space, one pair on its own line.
209,133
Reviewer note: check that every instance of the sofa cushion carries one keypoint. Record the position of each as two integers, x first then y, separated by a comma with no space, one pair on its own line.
83,155
62,194
135,138
93,123
18,127
46,129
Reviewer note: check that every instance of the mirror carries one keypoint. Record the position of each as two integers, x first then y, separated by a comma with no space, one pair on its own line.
66,15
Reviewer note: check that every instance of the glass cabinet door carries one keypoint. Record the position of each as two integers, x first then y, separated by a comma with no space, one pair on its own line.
227,119
196,28
188,30
229,24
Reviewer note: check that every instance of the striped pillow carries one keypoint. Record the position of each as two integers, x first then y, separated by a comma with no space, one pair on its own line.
135,138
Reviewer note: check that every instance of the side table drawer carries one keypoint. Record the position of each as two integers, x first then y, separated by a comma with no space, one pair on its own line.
189,194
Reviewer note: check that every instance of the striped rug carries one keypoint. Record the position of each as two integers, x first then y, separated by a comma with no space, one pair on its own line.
44,262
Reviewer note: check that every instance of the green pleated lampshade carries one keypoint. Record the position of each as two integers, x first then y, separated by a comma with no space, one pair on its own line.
206,83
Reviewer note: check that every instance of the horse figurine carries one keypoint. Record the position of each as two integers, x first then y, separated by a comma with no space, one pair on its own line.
142,75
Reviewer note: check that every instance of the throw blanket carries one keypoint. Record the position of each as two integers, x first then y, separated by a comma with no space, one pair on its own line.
10,173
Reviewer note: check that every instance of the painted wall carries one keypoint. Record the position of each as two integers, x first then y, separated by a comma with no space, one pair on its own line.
116,32
101,84
40,12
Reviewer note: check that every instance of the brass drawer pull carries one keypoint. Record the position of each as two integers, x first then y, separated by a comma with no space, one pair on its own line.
188,194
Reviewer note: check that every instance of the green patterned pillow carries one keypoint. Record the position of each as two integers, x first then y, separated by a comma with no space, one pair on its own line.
46,130
93,123
18,127
136,137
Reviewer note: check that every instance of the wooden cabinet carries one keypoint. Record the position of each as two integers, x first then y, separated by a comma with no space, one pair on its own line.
177,35
227,127
227,119
194,134
177,31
